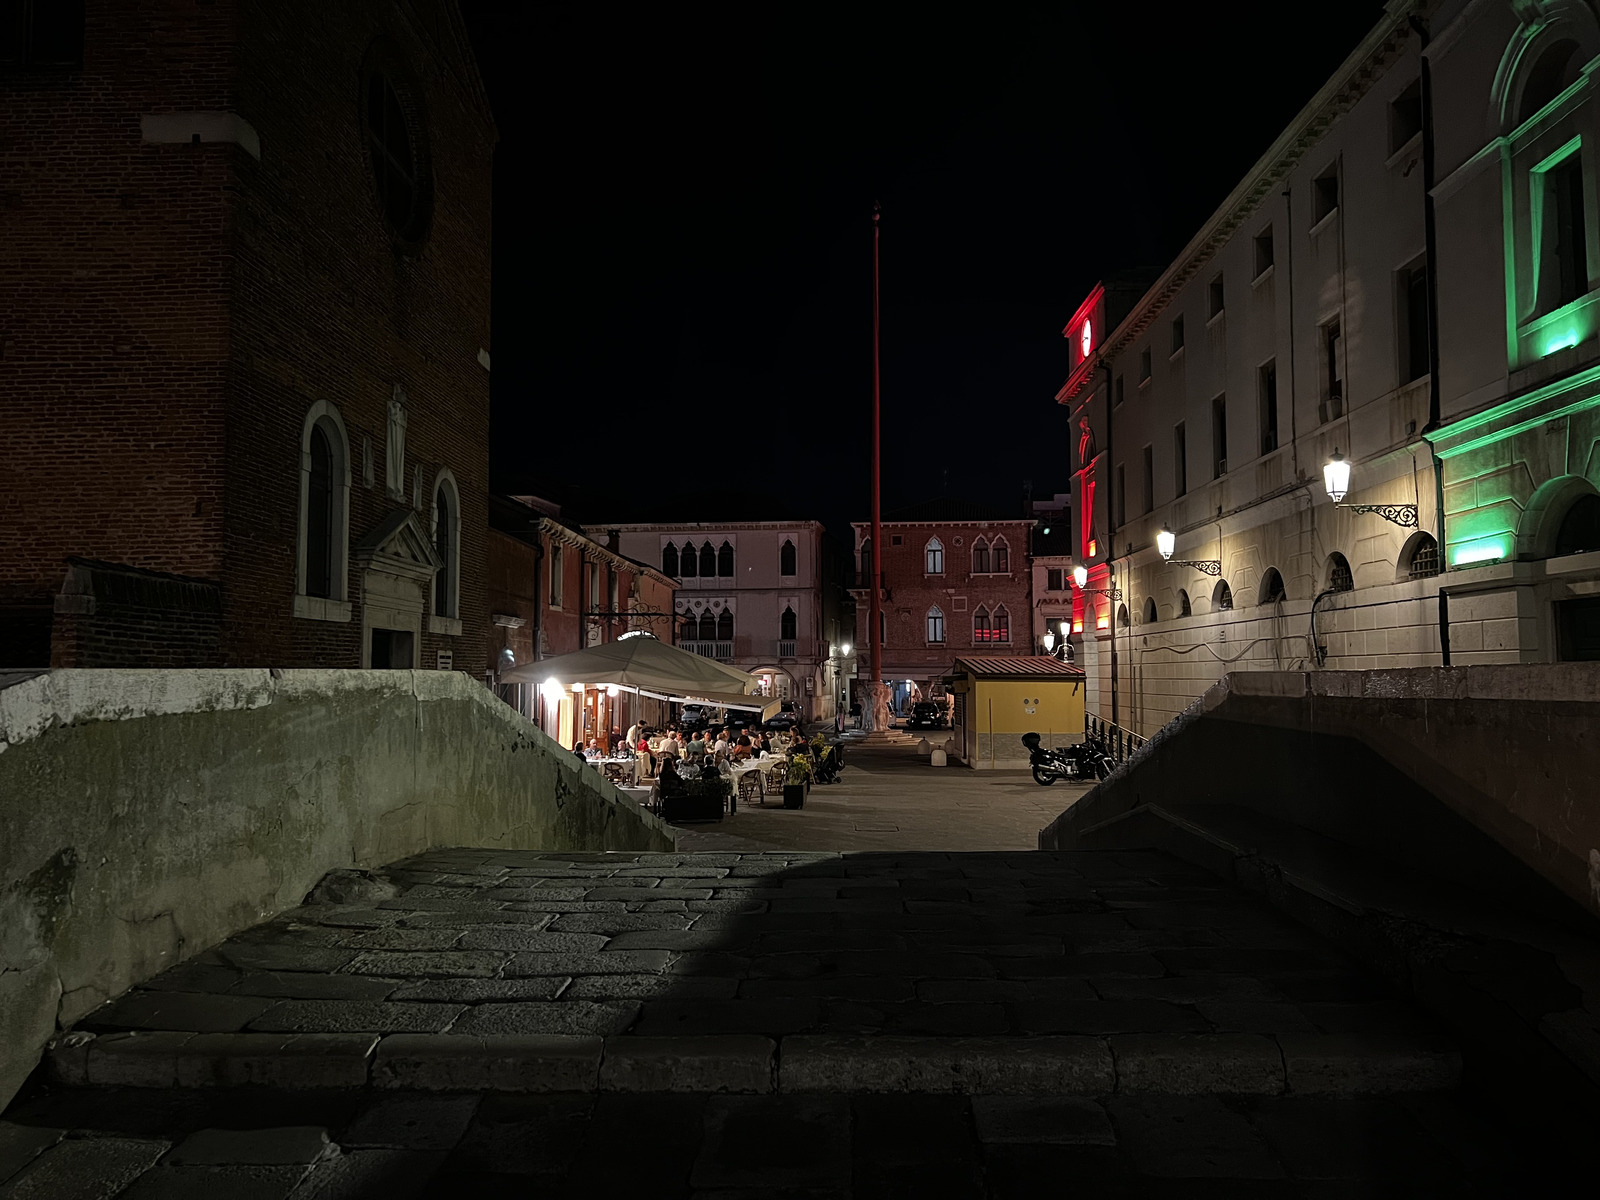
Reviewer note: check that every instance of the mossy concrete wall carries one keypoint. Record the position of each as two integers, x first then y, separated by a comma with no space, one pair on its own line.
1475,774
145,815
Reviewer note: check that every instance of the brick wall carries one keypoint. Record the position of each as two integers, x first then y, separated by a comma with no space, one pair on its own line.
958,593
169,313
114,273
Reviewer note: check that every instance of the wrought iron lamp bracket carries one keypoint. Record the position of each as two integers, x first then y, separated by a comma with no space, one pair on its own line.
1404,515
1114,593
1206,566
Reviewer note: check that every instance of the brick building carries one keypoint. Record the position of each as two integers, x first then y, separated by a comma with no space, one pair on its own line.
244,306
551,591
956,580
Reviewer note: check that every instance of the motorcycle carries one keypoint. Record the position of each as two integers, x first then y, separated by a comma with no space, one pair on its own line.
1082,762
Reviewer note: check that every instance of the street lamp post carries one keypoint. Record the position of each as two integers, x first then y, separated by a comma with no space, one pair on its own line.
1336,480
1167,541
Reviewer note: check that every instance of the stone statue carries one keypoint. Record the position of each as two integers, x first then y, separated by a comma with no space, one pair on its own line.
874,707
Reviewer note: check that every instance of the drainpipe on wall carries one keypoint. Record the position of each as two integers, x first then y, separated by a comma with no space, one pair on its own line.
1431,280
1111,536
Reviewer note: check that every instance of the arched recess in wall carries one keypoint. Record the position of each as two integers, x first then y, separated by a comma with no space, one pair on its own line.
1419,558
1338,577
1540,526
1271,590
1221,597
1149,610
1185,609
1541,60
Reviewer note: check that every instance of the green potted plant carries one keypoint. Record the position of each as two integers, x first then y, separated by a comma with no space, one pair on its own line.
795,781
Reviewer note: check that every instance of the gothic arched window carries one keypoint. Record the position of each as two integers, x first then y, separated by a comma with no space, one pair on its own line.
980,557
708,561
725,625
935,625
980,626
934,552
725,561
786,558
787,624
1001,556
669,560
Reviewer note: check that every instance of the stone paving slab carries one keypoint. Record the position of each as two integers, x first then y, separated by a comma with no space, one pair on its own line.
867,971
400,1143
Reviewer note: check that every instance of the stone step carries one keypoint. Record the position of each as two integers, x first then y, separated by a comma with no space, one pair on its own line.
1299,1064
824,1146
1521,996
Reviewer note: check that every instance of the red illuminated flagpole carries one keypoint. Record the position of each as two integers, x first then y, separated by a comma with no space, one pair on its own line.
875,611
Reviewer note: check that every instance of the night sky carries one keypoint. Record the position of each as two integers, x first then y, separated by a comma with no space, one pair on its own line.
682,289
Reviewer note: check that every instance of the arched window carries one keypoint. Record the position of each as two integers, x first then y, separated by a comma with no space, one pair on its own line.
1185,609
980,557
708,561
324,541
935,625
934,553
708,626
1419,559
980,625
1149,610
786,624
786,557
1221,597
1001,556
1580,528
1272,589
1556,70
447,541
669,560
725,561
1122,616
558,575
1000,625
686,570
866,563
725,625
319,517
1340,577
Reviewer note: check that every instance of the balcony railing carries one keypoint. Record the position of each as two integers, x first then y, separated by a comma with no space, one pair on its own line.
721,651
785,649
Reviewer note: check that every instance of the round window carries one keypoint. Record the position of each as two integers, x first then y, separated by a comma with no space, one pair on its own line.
395,144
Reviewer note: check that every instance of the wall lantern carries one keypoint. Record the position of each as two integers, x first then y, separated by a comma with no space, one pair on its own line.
1049,641
1167,541
1336,479
1080,576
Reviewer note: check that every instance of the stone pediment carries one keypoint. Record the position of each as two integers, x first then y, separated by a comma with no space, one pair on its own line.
399,545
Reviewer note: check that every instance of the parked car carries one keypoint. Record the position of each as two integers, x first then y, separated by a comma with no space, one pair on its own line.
926,715
694,718
787,716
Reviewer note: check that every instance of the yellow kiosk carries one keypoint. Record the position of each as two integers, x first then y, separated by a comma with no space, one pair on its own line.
998,699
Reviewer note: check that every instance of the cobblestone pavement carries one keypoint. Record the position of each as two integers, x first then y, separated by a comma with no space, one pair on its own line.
890,799
764,1024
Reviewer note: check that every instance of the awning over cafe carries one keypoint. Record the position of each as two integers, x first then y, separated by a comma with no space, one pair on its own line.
646,665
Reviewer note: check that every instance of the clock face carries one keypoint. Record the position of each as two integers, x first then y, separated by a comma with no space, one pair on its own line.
1086,337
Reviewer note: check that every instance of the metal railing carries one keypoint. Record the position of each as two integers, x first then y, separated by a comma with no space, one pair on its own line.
721,651
1120,743
785,649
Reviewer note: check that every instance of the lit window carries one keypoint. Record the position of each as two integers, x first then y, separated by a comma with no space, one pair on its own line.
980,626
934,553
1000,625
935,625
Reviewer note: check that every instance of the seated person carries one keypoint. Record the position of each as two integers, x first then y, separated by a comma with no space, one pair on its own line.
593,749
709,769
670,783
696,747
742,751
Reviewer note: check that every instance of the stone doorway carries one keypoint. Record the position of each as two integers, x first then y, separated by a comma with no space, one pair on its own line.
398,564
